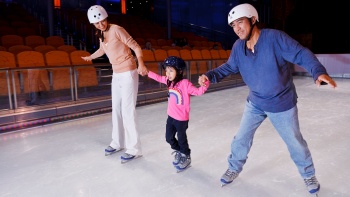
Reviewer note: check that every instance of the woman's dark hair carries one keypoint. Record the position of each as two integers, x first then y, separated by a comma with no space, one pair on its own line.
99,33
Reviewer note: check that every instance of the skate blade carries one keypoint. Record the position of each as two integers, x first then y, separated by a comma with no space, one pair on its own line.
126,161
223,184
180,170
107,153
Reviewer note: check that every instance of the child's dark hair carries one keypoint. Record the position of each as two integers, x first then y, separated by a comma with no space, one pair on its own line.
179,77
179,65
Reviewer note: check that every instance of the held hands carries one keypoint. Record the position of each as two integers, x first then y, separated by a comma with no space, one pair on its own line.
142,69
87,58
201,79
325,79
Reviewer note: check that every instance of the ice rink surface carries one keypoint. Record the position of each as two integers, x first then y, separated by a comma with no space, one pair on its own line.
67,159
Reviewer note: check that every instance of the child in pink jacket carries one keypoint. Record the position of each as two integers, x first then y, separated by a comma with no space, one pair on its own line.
179,95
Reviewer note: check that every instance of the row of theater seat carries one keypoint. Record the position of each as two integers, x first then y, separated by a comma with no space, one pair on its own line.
45,79
199,59
17,20
168,43
57,79
21,31
186,54
31,41
41,48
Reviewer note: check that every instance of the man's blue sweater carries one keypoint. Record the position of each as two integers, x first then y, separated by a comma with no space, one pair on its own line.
268,71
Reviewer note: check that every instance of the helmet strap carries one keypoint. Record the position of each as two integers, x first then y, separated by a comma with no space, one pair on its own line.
251,29
249,35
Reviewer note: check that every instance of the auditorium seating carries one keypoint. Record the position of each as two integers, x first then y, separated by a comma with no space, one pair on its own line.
61,77
18,48
11,40
44,48
86,75
173,52
34,41
7,60
67,48
160,55
149,59
55,41
33,80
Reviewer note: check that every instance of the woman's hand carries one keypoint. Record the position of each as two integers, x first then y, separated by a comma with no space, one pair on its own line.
142,69
87,58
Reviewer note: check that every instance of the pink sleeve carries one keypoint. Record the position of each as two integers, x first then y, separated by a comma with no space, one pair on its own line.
156,77
193,90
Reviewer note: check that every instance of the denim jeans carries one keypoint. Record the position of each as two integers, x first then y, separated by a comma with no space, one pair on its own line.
287,125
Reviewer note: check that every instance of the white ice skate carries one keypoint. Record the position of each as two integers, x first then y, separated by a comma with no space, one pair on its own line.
110,150
312,185
177,157
228,177
185,163
127,157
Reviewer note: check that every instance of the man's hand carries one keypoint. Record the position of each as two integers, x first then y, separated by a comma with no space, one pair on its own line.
325,79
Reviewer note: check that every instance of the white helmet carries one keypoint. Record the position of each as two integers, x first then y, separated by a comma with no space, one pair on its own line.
242,10
96,13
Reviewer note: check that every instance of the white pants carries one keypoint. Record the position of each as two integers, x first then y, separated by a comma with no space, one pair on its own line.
124,97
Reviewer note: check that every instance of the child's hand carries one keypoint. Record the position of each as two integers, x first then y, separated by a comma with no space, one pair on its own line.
201,79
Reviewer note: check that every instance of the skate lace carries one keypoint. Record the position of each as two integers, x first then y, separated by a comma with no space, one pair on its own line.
127,155
230,173
177,155
311,181
185,161
109,148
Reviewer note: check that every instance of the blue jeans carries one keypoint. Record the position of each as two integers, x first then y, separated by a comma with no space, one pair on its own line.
287,125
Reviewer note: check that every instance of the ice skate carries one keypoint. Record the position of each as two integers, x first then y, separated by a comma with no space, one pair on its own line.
228,177
312,185
185,161
127,157
110,150
177,157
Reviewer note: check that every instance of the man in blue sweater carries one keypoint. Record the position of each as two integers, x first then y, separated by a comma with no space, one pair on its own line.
263,58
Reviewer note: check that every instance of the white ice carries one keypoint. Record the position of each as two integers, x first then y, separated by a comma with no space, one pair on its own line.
67,159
